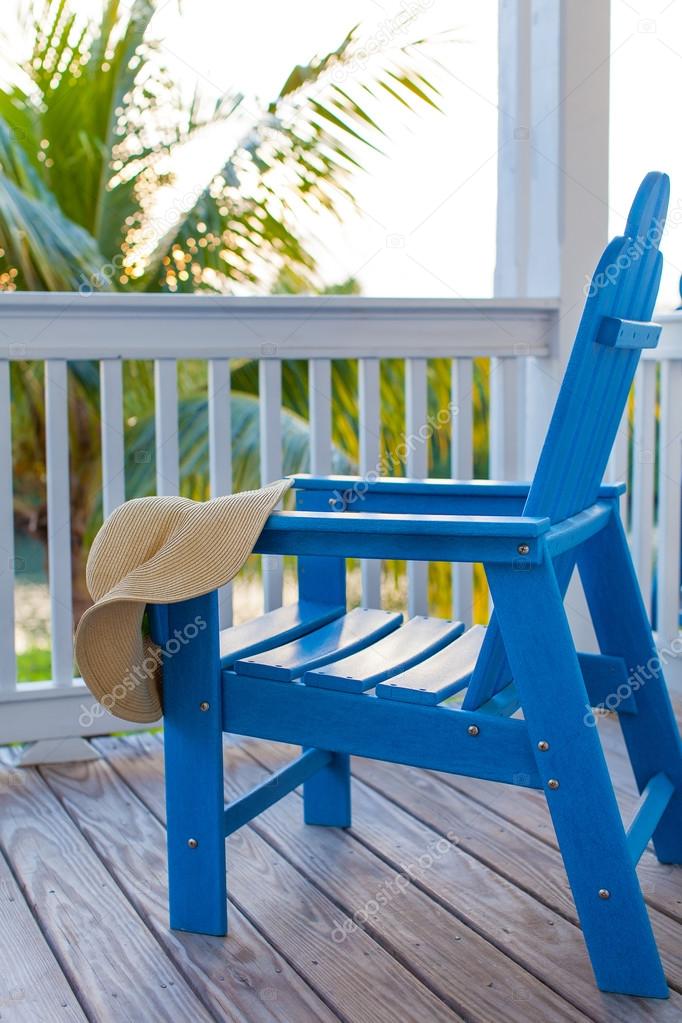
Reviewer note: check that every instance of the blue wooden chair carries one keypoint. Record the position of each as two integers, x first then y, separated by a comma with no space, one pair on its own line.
339,683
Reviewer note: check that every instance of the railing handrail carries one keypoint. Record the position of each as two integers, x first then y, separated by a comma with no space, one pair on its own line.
49,325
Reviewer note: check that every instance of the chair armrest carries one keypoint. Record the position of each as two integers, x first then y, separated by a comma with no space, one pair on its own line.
466,538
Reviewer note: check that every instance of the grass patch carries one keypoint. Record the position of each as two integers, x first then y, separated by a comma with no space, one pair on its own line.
34,665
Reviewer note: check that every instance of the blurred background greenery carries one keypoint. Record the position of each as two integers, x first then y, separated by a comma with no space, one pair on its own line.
91,127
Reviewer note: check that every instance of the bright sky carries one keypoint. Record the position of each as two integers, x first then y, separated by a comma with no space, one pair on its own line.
646,86
426,224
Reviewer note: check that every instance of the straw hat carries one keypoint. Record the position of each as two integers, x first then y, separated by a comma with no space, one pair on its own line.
157,550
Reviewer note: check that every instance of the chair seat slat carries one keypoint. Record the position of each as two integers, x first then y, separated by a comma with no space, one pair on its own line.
433,680
274,628
345,635
417,640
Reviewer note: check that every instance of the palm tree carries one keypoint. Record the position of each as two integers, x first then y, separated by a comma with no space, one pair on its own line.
91,125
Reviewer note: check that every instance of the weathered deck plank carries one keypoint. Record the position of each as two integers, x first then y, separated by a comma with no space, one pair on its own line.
299,920
461,967
107,954
527,862
32,985
661,883
240,977
481,927
544,942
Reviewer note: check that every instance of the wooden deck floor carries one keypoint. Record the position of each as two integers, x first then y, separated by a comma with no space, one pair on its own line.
447,900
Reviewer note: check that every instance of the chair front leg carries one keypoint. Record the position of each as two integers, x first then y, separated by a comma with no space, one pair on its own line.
577,785
195,807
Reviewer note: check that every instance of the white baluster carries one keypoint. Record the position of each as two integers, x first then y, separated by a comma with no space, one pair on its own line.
320,412
111,413
220,454
370,451
166,418
644,453
270,411
417,468
59,520
462,467
669,483
8,669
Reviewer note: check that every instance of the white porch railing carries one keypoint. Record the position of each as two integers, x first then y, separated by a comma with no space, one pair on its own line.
657,477
58,328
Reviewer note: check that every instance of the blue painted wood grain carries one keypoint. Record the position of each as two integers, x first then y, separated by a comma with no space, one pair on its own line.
591,399
415,641
622,627
279,784
434,680
353,631
413,537
327,794
364,725
616,332
193,744
274,628
655,798
606,681
583,806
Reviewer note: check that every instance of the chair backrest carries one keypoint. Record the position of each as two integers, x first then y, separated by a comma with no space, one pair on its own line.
613,330
602,365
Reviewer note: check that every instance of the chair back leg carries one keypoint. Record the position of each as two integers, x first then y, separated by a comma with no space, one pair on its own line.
576,781
622,626
326,796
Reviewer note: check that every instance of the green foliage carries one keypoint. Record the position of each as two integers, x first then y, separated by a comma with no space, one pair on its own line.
34,665
91,128
92,121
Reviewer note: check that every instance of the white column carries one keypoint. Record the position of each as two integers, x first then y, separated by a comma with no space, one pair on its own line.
552,217
552,187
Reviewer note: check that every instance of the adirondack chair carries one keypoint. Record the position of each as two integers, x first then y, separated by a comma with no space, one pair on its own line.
339,683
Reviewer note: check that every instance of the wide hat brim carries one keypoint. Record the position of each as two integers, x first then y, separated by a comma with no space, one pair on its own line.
157,550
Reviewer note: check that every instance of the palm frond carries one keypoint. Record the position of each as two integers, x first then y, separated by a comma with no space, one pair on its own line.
41,248
298,155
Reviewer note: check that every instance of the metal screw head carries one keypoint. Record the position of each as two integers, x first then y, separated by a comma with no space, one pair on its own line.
192,843
543,745
552,783
473,730
604,893
204,705
523,548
